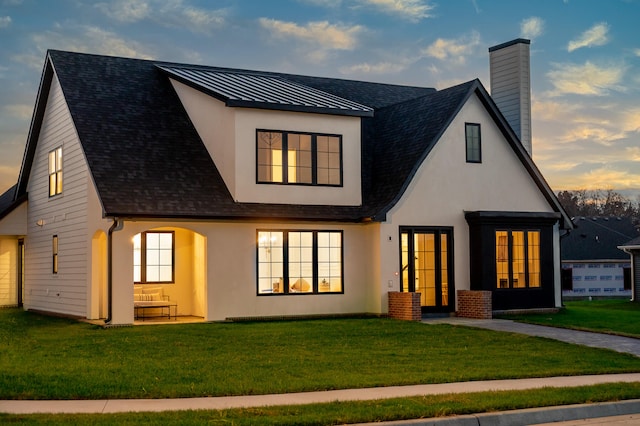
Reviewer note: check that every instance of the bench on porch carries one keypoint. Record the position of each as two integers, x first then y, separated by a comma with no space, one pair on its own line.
152,298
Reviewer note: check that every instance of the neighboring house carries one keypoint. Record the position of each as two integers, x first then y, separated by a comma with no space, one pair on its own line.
592,264
257,194
632,248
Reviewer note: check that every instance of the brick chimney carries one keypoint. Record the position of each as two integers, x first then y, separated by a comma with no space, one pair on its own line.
509,69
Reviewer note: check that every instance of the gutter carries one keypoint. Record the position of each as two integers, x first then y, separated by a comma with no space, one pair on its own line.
117,225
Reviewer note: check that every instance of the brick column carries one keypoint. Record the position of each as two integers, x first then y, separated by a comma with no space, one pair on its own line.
405,306
474,304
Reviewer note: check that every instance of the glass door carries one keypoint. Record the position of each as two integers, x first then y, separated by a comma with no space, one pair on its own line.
426,255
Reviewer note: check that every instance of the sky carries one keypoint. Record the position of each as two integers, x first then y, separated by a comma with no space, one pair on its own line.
585,60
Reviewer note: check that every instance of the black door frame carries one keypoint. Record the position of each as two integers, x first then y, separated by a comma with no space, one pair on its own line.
438,231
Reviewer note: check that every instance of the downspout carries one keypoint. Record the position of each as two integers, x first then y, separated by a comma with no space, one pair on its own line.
116,226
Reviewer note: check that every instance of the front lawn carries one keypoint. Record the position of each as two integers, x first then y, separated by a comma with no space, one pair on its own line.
604,316
54,358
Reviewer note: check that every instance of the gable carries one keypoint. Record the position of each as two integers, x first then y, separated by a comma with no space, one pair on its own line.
446,185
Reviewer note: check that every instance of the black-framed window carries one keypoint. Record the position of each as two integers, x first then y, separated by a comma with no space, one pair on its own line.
54,251
297,158
299,262
473,142
55,172
154,257
517,259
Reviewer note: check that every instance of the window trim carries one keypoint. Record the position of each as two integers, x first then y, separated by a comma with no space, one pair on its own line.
55,176
143,258
285,262
469,158
285,158
526,260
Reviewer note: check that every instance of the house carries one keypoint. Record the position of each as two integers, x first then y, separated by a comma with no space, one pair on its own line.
632,248
243,194
592,264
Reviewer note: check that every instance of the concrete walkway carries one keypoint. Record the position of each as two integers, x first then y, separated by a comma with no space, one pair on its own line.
227,402
596,340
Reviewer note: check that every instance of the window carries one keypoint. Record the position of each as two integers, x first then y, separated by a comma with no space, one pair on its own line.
55,172
299,262
299,158
518,259
472,136
55,254
153,257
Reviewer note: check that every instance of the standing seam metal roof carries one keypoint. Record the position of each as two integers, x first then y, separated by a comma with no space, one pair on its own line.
254,90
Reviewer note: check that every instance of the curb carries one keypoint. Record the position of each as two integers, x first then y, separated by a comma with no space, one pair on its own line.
529,416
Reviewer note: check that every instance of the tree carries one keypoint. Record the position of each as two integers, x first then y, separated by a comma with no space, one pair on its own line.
599,202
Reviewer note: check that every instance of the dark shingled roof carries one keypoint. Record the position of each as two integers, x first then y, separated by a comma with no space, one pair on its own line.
598,238
147,160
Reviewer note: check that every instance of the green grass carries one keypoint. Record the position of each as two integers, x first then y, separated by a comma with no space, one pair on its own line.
605,316
351,412
54,358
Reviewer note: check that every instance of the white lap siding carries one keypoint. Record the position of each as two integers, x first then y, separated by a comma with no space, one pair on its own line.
64,215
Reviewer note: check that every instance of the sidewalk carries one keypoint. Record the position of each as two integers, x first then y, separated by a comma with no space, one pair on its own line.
586,338
227,402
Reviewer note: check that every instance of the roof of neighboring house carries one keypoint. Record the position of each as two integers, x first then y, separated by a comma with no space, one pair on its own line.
147,159
598,238
635,244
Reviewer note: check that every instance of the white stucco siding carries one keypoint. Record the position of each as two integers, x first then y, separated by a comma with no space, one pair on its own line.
249,120
229,134
64,215
216,277
15,223
445,186
214,122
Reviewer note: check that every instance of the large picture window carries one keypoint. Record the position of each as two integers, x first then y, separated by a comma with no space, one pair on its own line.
298,158
299,262
55,172
153,257
517,259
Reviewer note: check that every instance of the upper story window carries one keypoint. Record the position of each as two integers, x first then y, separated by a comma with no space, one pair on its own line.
472,136
55,172
153,257
299,158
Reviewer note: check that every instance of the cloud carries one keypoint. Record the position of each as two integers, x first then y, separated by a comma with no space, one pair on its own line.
413,10
5,21
636,52
126,10
379,68
89,39
22,112
531,27
631,120
322,33
587,79
454,50
594,36
174,13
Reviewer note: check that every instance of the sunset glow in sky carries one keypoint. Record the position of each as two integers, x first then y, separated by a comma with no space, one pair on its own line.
585,59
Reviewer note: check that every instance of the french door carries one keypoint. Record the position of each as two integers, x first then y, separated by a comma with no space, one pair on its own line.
427,266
